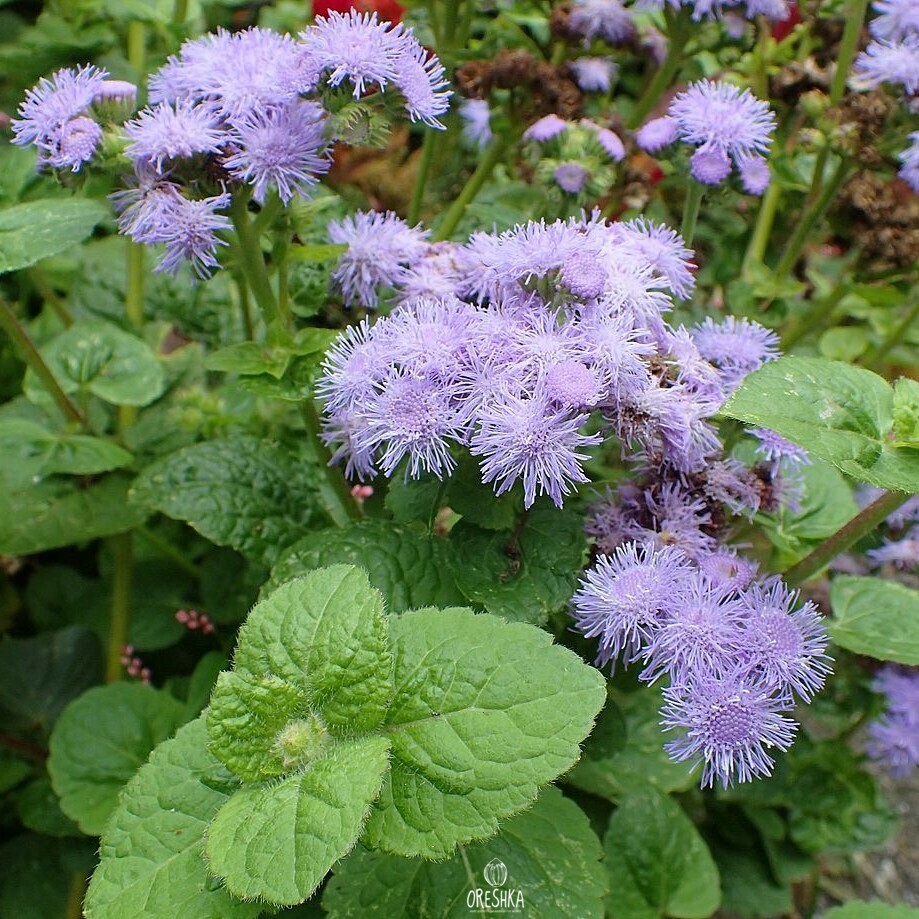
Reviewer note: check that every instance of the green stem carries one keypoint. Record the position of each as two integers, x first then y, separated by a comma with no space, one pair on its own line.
137,46
245,306
252,262
815,318
761,69
847,48
678,32
421,179
874,357
50,295
166,548
808,220
487,163
32,356
180,12
694,192
759,239
265,217
75,893
134,298
122,550
849,534
344,508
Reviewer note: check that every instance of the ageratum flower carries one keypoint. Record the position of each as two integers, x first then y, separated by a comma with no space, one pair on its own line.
594,74
893,739
380,247
476,127
901,553
625,596
709,9
51,118
909,171
736,346
165,133
284,149
730,723
663,249
605,19
895,19
657,133
545,128
891,62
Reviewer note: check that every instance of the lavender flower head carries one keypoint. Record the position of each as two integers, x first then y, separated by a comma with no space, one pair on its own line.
545,128
893,739
909,171
608,20
163,134
725,124
895,19
594,74
894,62
476,122
51,118
728,722
736,346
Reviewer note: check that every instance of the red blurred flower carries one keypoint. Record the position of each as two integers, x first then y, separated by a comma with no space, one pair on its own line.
389,10
782,29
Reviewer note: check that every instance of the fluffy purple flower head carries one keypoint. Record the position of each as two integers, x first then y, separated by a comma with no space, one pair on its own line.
895,19
545,129
710,9
412,417
594,74
605,19
422,80
728,571
165,133
901,553
476,122
657,133
776,450
609,140
119,91
909,171
571,177
893,739
733,484
784,646
754,174
623,597
701,633
584,275
677,518
380,246
723,121
891,62
736,346
663,249
526,439
710,165
190,235
73,144
351,371
572,384
730,723
283,148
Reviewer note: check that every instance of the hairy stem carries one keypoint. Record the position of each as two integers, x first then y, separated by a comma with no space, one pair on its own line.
847,48
691,206
678,32
251,260
119,621
490,158
849,534
32,356
759,239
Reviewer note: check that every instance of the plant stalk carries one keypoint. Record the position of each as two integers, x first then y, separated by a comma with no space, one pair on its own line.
693,202
765,217
847,48
849,534
251,260
454,215
32,356
421,178
119,622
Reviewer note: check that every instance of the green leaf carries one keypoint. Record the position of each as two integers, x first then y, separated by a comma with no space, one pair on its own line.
476,502
33,231
485,711
877,618
125,721
57,512
551,854
317,252
99,358
28,449
411,500
249,358
906,412
840,413
151,852
625,752
324,633
522,576
874,909
39,676
409,567
278,841
658,863
748,888
240,491
39,809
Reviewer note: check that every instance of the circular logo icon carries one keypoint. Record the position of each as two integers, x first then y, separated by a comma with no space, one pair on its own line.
495,873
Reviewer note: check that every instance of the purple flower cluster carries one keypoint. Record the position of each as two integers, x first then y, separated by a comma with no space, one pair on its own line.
509,343
594,74
608,20
736,651
53,116
895,19
893,739
728,127
709,9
